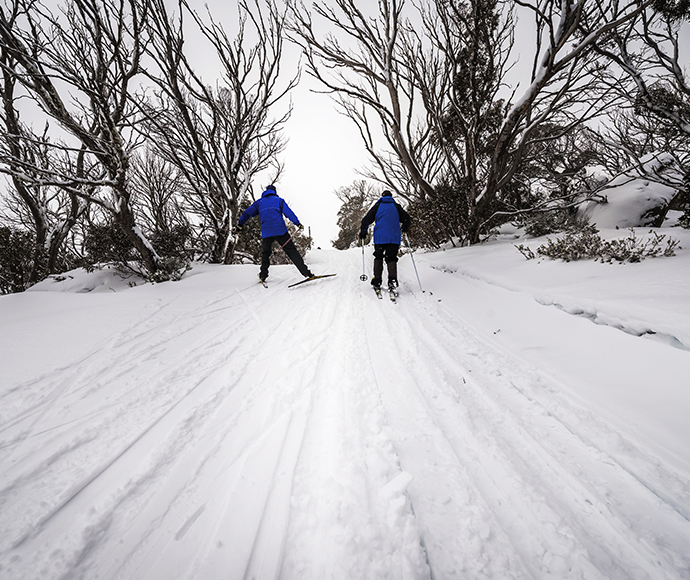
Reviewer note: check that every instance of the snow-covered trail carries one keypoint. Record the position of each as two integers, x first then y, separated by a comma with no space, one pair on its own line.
320,433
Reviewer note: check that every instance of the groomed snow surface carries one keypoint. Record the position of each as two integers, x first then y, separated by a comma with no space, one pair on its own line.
517,419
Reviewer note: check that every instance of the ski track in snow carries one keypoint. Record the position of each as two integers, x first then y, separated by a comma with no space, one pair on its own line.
604,315
319,433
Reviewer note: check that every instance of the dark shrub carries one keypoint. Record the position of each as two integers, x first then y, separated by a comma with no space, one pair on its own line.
16,260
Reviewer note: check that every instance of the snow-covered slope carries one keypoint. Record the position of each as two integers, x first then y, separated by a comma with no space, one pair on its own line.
515,420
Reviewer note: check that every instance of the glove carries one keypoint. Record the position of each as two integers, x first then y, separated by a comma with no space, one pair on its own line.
300,227
238,227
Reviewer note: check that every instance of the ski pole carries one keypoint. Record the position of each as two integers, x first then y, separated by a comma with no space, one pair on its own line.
286,242
299,228
363,277
415,265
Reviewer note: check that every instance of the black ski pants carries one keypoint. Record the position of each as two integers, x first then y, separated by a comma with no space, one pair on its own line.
389,254
386,252
290,249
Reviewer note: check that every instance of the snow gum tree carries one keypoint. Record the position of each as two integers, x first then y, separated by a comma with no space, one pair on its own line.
219,138
459,66
562,92
48,212
79,65
356,199
434,73
652,79
158,190
649,52
361,61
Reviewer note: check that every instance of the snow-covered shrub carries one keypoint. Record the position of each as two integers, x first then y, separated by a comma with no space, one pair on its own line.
172,242
438,220
581,244
634,249
587,244
551,222
170,268
16,260
106,244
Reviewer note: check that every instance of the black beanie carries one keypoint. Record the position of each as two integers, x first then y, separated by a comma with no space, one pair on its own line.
273,187
386,193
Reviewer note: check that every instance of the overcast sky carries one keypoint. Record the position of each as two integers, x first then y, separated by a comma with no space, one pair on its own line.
323,153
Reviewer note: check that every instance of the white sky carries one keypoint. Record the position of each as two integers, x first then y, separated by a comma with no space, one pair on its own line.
323,154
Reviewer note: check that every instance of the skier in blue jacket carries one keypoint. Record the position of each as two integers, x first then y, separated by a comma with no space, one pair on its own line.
270,208
390,219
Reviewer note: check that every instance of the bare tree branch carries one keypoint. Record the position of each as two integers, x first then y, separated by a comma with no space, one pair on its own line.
78,66
371,74
219,138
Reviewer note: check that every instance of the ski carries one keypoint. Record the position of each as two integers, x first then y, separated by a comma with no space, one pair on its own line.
263,283
310,279
379,294
393,294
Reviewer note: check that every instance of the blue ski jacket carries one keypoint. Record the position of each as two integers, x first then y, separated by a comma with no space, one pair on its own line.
270,208
388,216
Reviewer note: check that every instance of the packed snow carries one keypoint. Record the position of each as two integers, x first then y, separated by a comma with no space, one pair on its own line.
508,419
